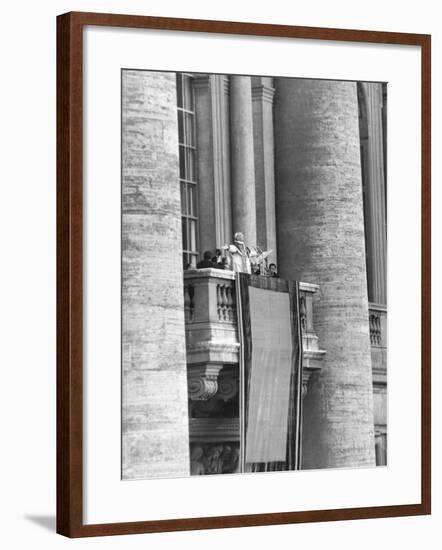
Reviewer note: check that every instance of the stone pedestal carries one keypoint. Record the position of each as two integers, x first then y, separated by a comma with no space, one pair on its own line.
320,235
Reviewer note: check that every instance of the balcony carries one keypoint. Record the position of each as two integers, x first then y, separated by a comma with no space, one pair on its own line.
212,347
212,342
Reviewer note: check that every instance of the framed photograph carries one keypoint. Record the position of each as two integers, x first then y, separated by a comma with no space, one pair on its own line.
243,274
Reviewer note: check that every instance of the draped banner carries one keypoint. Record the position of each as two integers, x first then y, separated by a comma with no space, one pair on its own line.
270,373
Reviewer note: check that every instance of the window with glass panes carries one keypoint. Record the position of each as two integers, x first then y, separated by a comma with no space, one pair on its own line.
188,183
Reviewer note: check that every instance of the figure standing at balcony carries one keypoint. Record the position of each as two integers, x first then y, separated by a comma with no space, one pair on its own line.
239,255
206,262
219,261
272,270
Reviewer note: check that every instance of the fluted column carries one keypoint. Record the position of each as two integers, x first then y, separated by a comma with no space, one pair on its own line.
320,233
212,120
262,95
375,194
241,147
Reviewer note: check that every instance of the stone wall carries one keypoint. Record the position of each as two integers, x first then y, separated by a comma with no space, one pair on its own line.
155,415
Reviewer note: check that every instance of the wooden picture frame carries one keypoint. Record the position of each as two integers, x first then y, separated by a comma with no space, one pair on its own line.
70,268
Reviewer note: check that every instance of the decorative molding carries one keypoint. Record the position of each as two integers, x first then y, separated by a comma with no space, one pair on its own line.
214,346
215,352
214,429
202,381
225,84
261,92
209,272
201,81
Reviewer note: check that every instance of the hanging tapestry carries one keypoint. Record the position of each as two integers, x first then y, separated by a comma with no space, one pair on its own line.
270,373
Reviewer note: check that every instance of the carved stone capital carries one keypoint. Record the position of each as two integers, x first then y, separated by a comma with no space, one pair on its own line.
202,381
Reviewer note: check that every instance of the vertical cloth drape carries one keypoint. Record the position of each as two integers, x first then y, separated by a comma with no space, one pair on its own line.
270,373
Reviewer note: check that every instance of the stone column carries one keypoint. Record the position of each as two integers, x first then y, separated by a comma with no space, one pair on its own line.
262,95
154,379
375,194
212,121
320,233
241,147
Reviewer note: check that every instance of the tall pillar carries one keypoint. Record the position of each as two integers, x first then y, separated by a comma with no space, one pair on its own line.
262,95
241,147
376,222
155,422
320,233
212,120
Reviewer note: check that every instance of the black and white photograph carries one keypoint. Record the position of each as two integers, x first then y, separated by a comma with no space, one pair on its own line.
254,291
221,259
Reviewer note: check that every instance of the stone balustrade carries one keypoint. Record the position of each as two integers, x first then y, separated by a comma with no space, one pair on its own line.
212,333
378,325
378,338
210,313
377,315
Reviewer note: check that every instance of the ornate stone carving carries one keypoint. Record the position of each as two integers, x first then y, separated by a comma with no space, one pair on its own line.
214,458
202,381
212,337
202,388
205,382
225,301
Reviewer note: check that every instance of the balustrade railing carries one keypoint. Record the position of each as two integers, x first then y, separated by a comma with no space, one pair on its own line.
212,347
209,295
377,321
377,316
211,319
226,302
